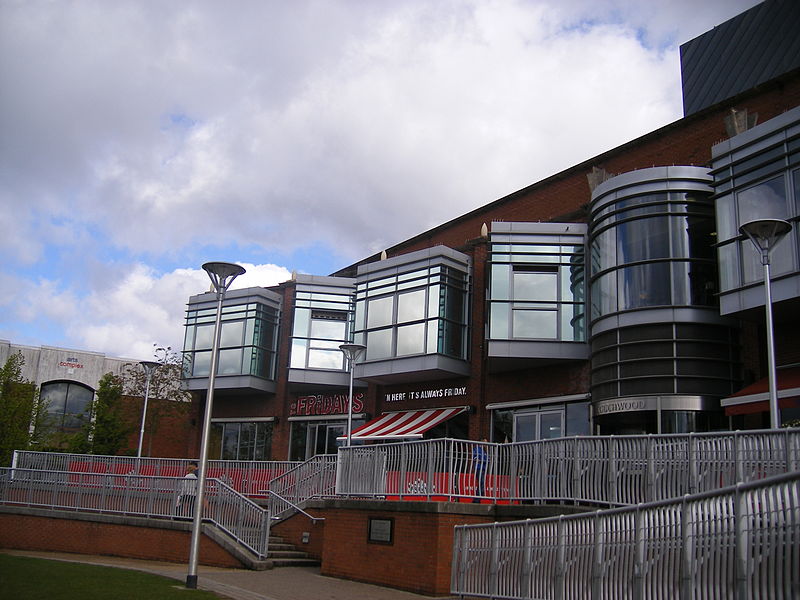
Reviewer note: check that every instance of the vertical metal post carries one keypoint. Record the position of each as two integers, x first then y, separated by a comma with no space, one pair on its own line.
687,551
222,275
741,542
774,408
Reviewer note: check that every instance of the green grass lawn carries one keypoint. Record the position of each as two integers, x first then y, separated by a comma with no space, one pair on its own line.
24,578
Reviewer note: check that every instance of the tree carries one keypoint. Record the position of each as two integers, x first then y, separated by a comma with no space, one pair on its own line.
108,430
24,420
167,398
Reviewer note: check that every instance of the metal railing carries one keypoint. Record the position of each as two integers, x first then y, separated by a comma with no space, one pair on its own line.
604,470
140,495
315,478
739,542
250,478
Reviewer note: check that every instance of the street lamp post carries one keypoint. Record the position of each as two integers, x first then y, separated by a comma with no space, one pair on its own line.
765,234
149,368
352,352
222,275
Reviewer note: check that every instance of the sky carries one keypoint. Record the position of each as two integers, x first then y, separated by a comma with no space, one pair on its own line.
140,139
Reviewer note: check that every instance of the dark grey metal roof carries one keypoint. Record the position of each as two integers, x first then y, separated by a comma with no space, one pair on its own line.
752,48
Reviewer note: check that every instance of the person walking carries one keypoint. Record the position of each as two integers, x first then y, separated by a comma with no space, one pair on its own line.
187,492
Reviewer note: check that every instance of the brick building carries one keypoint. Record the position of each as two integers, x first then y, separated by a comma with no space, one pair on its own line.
614,297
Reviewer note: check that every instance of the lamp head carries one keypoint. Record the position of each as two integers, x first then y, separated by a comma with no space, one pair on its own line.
765,234
222,274
352,351
149,367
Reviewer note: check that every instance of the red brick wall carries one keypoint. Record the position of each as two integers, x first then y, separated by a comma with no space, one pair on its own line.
177,433
29,532
292,529
418,560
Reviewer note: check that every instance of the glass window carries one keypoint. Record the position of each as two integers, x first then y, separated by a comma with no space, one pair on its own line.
500,280
535,324
643,239
68,404
248,440
204,337
766,200
533,285
411,339
379,311
645,285
325,359
230,362
331,330
231,334
726,218
379,344
411,306
578,421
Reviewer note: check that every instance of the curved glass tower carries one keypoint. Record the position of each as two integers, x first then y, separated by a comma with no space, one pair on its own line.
661,355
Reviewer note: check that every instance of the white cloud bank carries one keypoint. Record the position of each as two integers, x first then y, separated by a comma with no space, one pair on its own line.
147,134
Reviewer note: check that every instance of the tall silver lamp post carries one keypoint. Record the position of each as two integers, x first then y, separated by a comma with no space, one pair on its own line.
352,352
765,234
149,368
222,275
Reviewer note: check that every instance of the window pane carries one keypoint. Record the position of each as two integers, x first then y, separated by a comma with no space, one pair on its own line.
645,285
411,339
230,441
379,312
230,362
726,218
535,324
550,425
325,359
332,330
603,253
643,239
411,306
535,286
379,344
302,317
204,337
231,334
79,399
498,321
54,396
763,201
298,360
500,279
201,365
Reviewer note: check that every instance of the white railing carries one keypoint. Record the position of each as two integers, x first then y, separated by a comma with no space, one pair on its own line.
140,495
314,478
250,478
738,542
604,470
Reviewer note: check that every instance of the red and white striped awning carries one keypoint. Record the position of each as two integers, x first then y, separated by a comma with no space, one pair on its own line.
405,424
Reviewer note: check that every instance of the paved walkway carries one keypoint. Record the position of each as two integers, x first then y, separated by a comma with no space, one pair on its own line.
282,583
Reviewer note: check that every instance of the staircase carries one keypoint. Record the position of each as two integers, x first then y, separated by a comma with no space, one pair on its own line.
283,554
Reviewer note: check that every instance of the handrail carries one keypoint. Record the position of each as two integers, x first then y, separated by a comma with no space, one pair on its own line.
740,541
143,495
595,470
297,508
313,478
246,477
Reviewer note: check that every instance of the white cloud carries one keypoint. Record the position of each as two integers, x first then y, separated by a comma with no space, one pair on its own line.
153,133
129,315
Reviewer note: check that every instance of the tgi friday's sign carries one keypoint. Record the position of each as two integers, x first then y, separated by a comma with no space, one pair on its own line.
325,404
444,392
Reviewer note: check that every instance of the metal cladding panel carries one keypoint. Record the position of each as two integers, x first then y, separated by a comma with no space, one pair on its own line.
757,46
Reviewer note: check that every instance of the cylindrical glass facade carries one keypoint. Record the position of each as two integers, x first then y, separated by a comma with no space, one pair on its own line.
659,348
